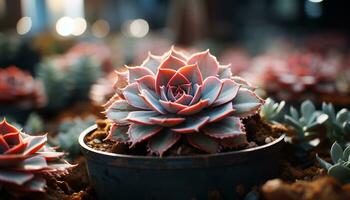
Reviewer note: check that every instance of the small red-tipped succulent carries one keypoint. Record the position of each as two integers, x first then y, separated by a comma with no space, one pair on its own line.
25,160
17,85
175,96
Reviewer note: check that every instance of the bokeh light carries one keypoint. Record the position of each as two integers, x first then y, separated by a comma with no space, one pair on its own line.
24,25
65,26
79,26
100,28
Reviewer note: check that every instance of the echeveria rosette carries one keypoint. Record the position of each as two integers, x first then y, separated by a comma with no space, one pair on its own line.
26,159
173,96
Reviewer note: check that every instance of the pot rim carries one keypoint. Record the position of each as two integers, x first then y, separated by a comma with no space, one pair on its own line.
126,156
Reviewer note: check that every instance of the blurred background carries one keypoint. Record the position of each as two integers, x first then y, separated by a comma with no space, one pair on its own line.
58,57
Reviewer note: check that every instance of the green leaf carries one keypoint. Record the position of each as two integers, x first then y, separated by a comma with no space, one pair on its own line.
294,113
346,153
336,152
323,163
307,109
340,172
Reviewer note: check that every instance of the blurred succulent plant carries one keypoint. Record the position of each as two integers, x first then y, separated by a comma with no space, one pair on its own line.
67,138
17,85
83,72
173,96
55,83
34,124
341,163
271,111
307,121
25,160
338,124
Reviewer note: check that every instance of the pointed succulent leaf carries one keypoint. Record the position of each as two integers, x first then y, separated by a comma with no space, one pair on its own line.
152,62
173,63
36,184
192,124
197,93
33,163
246,103
18,178
138,133
172,107
142,117
152,101
131,94
203,142
167,121
147,83
138,72
243,83
118,133
207,63
218,113
229,90
195,108
225,71
178,79
192,73
163,141
229,127
34,144
211,89
323,163
163,77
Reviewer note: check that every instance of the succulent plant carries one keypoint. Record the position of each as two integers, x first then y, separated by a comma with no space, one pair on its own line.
17,85
55,83
34,124
83,72
25,160
341,163
338,124
307,121
271,111
67,138
173,96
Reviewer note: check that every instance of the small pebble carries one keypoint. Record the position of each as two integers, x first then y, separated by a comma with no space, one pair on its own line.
252,144
268,140
97,141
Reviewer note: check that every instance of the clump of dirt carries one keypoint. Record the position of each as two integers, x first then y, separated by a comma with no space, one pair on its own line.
258,132
322,189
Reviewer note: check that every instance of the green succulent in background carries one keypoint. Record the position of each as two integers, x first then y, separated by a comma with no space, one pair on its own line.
341,164
83,73
271,111
307,121
55,83
34,124
338,124
67,138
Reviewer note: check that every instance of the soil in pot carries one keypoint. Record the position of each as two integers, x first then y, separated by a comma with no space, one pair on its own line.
258,132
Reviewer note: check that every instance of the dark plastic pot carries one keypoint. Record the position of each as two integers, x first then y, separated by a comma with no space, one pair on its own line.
117,176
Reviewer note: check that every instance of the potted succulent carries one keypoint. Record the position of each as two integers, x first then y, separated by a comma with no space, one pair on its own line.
25,162
180,127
